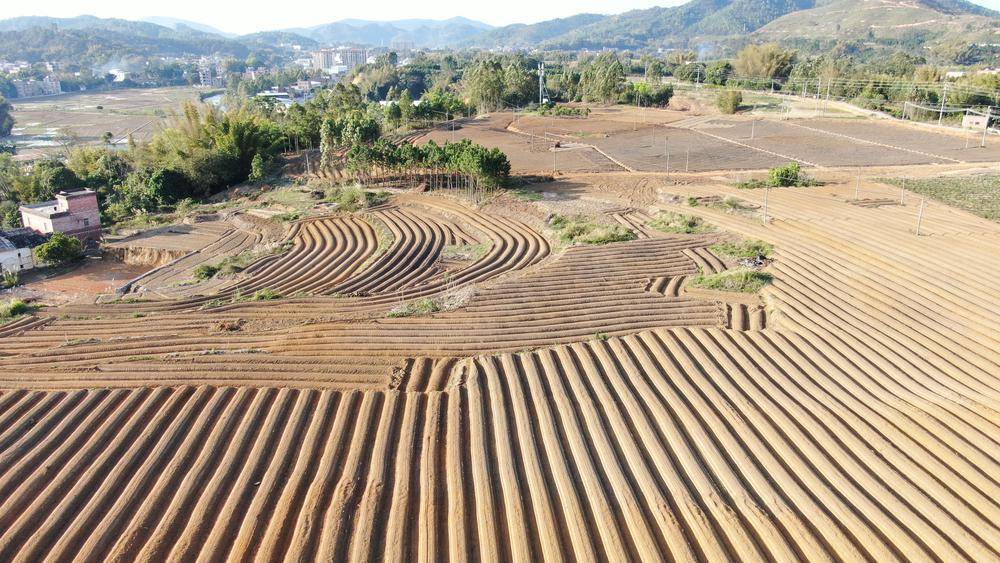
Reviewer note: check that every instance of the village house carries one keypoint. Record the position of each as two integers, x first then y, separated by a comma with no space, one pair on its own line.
16,249
74,213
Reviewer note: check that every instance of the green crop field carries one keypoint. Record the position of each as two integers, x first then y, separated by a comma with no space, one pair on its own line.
979,194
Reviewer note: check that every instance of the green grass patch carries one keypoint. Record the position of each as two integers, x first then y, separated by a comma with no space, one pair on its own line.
354,198
527,195
734,205
978,194
750,248
205,272
742,280
14,309
465,252
265,294
580,230
423,306
671,222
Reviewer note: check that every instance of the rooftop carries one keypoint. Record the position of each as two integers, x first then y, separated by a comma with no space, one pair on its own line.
20,238
51,208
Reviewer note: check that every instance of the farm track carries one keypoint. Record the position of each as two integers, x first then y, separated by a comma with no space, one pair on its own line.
576,407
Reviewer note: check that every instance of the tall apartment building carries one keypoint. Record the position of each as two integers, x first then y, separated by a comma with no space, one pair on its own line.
324,59
353,57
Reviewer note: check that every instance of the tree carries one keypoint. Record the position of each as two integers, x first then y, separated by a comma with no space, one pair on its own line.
10,215
768,61
519,83
406,108
690,72
729,101
46,179
393,114
718,72
59,249
484,83
258,168
603,78
6,119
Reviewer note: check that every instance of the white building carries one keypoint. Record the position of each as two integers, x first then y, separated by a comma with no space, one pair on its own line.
16,249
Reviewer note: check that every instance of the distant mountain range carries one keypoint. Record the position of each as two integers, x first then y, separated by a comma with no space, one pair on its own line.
420,33
708,26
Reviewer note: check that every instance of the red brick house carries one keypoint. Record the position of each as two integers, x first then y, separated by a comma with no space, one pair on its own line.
74,213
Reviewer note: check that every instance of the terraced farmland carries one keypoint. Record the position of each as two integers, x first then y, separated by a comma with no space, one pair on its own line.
404,400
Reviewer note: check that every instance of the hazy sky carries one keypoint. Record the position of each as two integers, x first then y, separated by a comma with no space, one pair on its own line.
257,15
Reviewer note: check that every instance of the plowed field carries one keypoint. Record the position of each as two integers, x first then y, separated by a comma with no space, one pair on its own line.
554,404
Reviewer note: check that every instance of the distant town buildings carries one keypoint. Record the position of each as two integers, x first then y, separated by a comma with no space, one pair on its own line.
334,61
16,249
29,88
324,59
74,213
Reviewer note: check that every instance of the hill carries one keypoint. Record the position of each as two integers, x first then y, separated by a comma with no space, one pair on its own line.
89,40
422,33
176,23
885,19
704,24
525,36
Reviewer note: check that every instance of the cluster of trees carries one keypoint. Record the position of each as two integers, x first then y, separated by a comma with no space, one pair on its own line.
451,165
203,152
6,119
882,83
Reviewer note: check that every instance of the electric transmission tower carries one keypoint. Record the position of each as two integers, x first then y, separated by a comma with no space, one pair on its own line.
543,94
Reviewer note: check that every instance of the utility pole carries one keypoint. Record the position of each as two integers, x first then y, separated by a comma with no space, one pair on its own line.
765,204
920,216
753,127
666,153
944,96
986,126
857,186
542,94
687,159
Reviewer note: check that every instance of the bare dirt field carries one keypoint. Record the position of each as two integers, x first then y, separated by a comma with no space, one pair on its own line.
44,125
436,380
661,140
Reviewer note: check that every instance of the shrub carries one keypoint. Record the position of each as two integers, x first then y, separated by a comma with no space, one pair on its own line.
670,222
423,306
265,294
10,279
784,176
354,198
205,271
14,308
728,101
580,230
789,175
60,249
744,249
559,110
743,280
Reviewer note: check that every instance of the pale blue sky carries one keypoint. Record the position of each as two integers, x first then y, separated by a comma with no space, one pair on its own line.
255,15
